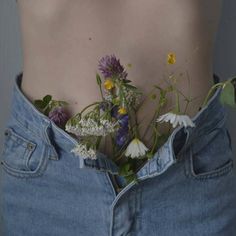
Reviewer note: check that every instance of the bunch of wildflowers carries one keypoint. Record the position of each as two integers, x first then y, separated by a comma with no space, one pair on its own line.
115,115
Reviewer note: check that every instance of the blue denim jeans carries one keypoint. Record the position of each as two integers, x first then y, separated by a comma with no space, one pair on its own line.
187,188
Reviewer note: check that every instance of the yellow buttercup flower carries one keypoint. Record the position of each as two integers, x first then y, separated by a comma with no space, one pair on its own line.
171,58
122,111
108,84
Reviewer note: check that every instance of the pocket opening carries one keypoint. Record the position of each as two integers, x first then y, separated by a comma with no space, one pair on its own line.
221,170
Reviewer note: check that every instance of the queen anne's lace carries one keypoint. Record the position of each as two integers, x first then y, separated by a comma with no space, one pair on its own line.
87,127
82,151
133,98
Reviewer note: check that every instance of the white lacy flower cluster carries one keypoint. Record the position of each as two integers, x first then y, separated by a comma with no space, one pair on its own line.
81,150
87,127
107,95
133,98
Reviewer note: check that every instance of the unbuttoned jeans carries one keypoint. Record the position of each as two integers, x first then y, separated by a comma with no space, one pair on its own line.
187,188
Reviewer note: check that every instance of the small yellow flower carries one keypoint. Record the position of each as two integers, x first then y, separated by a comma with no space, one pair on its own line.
171,58
122,111
108,84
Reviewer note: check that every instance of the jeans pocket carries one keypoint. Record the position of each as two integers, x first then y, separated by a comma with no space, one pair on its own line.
212,160
23,155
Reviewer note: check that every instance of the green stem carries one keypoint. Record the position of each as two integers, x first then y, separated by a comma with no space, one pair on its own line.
187,103
144,99
176,89
100,88
155,140
156,113
98,141
177,101
87,107
209,93
137,134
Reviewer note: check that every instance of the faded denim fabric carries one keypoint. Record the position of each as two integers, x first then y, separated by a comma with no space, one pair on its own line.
187,188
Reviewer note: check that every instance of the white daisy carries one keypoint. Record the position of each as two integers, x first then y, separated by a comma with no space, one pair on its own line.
81,150
136,149
176,119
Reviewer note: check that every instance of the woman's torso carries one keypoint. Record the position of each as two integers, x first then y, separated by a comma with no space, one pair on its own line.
63,41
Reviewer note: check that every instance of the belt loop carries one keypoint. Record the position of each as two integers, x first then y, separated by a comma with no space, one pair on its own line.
53,155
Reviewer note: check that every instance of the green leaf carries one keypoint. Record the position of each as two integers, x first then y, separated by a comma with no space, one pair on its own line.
47,99
99,82
227,95
125,170
130,86
131,178
126,81
39,104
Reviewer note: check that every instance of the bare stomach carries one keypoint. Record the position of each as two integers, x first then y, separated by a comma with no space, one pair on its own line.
62,49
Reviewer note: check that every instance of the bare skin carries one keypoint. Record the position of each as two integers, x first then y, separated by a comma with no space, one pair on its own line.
63,41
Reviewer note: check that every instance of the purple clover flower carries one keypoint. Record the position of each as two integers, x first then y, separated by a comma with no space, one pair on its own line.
59,116
110,66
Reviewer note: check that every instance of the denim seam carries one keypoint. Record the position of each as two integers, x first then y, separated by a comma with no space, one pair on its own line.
55,157
22,141
27,128
100,168
108,180
218,125
17,136
28,174
189,171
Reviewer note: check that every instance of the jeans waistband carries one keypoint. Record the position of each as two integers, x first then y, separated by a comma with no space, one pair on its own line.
30,117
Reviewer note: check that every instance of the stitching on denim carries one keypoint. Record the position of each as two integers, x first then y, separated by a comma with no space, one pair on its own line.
15,136
189,171
25,128
100,169
109,182
226,170
28,174
204,132
165,167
